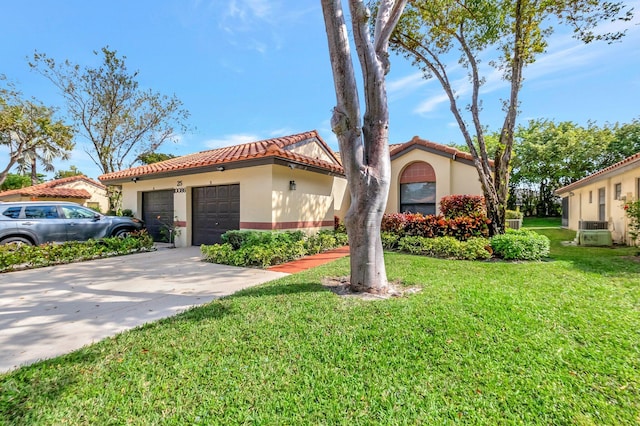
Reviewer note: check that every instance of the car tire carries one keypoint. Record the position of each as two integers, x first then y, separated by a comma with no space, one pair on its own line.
17,241
122,232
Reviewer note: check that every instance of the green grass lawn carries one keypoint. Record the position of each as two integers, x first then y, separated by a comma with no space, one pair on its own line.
487,343
541,222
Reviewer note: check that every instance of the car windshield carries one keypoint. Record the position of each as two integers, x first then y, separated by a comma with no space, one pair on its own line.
77,212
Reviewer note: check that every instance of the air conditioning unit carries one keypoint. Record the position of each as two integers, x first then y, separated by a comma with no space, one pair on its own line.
593,224
594,237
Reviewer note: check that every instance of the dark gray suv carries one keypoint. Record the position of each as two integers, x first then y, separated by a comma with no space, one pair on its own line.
38,222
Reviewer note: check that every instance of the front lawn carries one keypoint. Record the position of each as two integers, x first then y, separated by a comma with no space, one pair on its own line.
554,342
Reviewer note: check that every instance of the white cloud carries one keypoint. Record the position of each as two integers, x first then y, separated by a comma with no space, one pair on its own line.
230,140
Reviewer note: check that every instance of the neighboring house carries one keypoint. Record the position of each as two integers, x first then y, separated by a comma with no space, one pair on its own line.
600,197
78,189
422,172
288,183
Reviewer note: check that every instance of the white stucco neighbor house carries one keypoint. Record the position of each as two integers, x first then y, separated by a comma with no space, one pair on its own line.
78,189
293,182
599,198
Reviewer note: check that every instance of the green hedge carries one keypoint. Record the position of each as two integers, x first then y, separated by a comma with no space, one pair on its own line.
13,256
446,247
263,249
514,245
520,244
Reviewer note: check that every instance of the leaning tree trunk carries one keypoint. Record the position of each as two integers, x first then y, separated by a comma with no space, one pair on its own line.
364,144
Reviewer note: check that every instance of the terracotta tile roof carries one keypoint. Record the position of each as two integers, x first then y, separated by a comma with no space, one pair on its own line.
629,161
268,148
398,149
55,189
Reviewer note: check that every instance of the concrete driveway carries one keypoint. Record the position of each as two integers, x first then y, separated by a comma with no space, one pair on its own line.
51,311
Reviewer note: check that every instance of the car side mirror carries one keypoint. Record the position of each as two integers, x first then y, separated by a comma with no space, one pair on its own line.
96,216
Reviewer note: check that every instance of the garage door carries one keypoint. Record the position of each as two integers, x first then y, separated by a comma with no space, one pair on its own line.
216,210
158,204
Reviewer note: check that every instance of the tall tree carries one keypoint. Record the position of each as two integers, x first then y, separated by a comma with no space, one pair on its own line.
29,129
550,155
518,31
109,109
625,143
73,171
154,157
364,141
16,181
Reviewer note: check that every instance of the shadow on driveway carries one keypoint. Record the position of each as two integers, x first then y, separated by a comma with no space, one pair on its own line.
50,311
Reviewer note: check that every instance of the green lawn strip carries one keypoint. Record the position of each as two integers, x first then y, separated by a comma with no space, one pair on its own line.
541,222
554,342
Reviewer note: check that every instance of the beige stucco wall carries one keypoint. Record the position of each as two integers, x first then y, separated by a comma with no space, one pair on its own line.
452,177
265,198
98,194
312,149
580,208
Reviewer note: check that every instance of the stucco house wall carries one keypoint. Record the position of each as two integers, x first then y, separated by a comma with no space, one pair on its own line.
454,170
583,201
287,183
77,189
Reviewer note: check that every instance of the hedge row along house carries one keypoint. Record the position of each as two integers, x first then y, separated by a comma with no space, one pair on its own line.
596,202
292,182
78,189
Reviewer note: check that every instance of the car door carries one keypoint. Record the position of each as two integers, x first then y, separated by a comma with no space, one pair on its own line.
45,222
83,223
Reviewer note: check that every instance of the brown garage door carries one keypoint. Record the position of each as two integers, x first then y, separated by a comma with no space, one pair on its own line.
216,210
158,204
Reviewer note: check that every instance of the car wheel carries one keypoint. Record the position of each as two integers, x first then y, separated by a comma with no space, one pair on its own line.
122,232
18,241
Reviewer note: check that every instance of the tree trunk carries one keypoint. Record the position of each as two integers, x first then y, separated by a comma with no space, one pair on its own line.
34,170
364,147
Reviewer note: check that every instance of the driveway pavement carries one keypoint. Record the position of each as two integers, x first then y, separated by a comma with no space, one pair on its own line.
50,311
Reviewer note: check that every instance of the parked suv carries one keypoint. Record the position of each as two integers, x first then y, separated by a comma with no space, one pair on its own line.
38,222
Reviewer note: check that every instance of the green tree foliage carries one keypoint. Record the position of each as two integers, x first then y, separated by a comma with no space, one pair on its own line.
30,131
16,181
118,118
516,31
550,155
154,157
73,171
625,143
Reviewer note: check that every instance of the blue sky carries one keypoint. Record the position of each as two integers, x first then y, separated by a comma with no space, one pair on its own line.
254,69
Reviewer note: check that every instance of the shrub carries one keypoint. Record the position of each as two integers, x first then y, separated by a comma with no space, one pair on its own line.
322,241
389,240
462,205
25,256
263,249
520,245
446,247
415,224
513,214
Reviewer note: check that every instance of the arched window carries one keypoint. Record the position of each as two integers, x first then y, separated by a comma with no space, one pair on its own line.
418,189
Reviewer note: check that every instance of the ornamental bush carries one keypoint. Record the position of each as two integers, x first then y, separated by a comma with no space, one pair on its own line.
520,244
462,205
431,226
446,247
632,210
264,248
14,256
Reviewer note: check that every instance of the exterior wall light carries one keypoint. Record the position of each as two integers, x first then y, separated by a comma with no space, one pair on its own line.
220,168
135,179
292,185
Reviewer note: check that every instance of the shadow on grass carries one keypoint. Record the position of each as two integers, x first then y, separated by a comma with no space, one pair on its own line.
616,260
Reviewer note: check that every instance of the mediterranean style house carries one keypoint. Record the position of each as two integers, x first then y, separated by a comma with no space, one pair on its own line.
293,182
598,199
78,189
